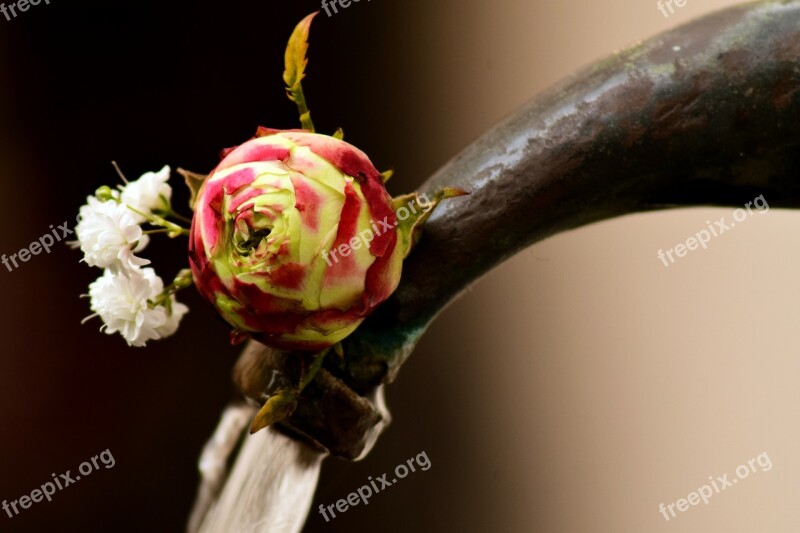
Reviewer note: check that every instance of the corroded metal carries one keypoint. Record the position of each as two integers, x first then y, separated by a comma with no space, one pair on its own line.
330,416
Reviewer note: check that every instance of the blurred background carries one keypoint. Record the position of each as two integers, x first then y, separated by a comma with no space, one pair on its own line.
575,388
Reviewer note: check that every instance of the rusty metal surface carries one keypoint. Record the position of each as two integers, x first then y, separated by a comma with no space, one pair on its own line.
706,114
330,415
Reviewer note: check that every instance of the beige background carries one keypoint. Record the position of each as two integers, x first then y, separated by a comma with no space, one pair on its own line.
583,383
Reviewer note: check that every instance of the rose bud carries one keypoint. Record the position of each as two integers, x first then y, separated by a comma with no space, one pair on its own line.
294,239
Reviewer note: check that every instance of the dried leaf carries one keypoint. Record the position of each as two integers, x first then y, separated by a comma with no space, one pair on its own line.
194,181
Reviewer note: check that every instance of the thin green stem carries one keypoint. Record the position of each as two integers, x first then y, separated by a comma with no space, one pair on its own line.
180,217
173,230
302,107
162,230
313,369
181,281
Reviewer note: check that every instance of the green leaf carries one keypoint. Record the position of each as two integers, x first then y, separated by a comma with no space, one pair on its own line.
339,349
410,229
338,134
387,175
280,406
296,61
194,181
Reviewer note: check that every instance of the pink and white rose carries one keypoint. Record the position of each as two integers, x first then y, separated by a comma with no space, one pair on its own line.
266,223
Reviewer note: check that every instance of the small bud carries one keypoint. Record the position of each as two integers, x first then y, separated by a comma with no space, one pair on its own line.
104,193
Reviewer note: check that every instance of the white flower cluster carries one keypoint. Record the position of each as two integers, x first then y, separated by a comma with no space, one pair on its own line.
128,298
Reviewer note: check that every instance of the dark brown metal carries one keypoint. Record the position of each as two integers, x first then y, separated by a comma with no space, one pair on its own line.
706,114
329,416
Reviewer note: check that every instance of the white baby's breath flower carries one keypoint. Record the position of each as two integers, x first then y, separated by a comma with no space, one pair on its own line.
123,302
174,319
109,235
149,193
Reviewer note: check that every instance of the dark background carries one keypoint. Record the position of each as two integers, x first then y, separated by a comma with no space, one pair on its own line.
575,388
147,83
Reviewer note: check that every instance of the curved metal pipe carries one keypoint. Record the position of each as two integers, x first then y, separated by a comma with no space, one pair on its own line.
705,114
